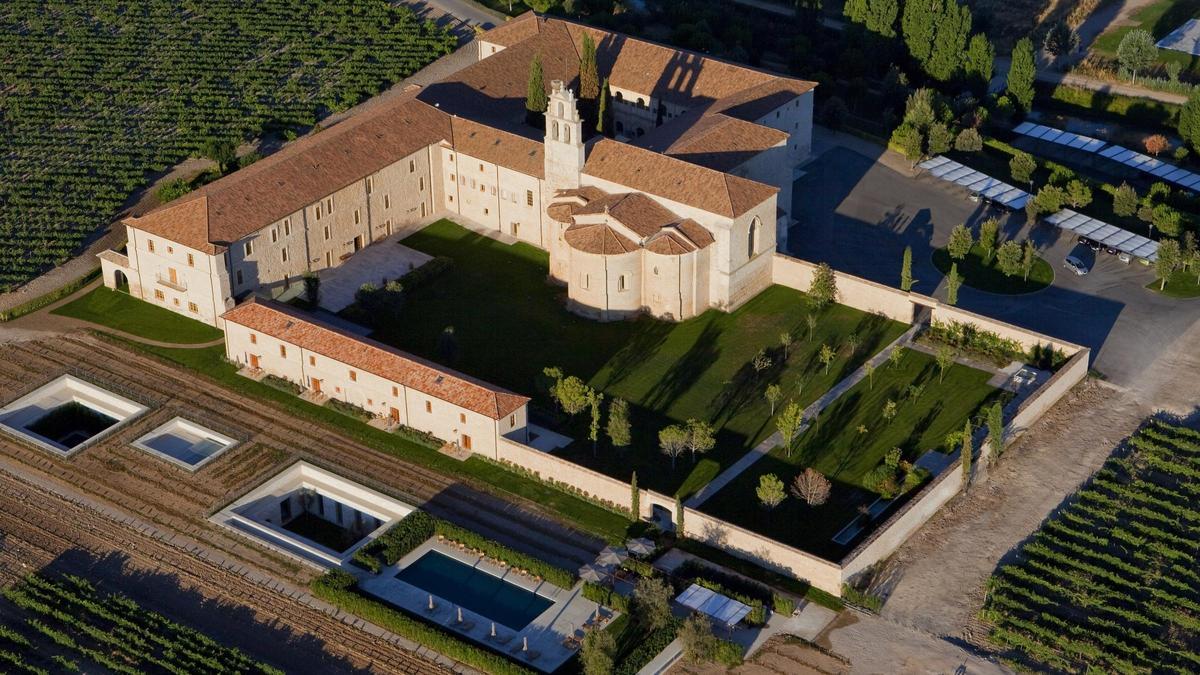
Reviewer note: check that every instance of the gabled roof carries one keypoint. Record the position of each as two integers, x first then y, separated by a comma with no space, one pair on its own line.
293,327
655,227
222,212
716,141
674,179
523,155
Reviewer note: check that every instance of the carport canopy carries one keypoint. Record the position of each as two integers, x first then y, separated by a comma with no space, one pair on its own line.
723,610
989,188
1105,234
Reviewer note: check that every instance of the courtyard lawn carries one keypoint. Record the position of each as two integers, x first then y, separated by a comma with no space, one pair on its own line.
1181,285
128,314
988,277
837,446
510,323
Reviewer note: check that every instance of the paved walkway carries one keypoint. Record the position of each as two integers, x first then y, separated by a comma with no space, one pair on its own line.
810,413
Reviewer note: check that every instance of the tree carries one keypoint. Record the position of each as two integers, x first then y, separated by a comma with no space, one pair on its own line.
951,28
1155,144
635,499
1168,261
827,356
604,112
1173,70
220,150
1167,219
1008,258
855,11
917,26
1125,200
788,423
1028,257
597,652
1022,165
1137,52
889,411
812,487
619,428
594,400
1060,40
908,140
785,341
895,356
697,639
770,491
945,358
822,291
1189,121
995,425
572,395
773,394
1022,71
961,242
679,513
652,602
1049,199
940,138
989,233
1078,194
312,288
589,77
954,281
869,369
968,140
810,320
700,437
919,108
172,190
980,60
761,361
967,452
906,279
536,99
672,441
881,17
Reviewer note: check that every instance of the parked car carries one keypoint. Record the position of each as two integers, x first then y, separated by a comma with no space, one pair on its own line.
1095,246
1084,240
1124,257
1075,265
1110,250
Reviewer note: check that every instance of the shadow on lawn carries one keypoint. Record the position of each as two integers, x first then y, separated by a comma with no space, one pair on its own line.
686,370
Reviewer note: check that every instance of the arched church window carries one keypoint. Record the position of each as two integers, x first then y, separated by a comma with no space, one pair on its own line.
554,133
752,237
567,133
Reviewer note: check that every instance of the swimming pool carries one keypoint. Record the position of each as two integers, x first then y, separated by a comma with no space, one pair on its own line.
474,590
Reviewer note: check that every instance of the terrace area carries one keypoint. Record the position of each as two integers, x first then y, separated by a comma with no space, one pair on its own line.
66,414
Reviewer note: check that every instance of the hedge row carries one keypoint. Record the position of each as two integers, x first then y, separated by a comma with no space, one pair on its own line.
417,436
49,298
337,587
282,384
603,595
647,649
420,275
492,549
398,541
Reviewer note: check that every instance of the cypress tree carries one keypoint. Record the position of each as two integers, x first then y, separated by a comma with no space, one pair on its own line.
855,11
589,78
881,17
981,58
916,23
951,28
1189,121
604,114
635,500
536,99
1021,73
967,451
906,280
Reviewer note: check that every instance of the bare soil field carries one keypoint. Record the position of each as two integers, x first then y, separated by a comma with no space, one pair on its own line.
781,655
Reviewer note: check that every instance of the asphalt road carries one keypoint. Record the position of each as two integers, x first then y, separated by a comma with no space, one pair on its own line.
858,216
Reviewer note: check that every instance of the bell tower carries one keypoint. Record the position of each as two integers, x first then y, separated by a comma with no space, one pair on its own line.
564,139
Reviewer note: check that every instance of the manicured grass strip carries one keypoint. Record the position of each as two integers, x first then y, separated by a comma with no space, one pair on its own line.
1181,285
49,298
988,277
769,577
338,587
210,362
126,313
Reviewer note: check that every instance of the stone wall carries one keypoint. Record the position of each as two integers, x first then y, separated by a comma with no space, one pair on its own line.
853,291
1031,410
1027,338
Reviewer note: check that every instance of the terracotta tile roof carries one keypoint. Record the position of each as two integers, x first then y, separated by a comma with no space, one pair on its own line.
755,102
280,184
514,30
657,228
598,238
293,327
664,176
716,141
511,151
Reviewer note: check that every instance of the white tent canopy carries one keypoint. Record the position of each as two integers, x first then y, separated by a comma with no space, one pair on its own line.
723,610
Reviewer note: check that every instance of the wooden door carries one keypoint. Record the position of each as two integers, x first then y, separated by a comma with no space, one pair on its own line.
466,442
254,361
174,275
395,415
316,384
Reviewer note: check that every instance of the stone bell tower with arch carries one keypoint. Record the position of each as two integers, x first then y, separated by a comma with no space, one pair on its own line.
564,152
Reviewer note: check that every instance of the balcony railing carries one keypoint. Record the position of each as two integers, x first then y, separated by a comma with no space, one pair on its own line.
176,284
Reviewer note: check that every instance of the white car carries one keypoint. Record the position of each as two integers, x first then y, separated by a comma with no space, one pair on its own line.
1075,265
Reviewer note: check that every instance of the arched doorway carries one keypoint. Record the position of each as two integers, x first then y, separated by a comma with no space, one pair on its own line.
120,281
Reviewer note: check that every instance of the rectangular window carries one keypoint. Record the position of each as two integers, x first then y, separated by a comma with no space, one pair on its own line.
253,339
318,210
586,279
150,245
529,197
284,254
191,261
451,158
176,301
387,201
412,166
452,178
449,198
481,166
158,295
395,391
287,227
274,235
466,442
512,420
312,360
239,277
353,376
326,233
421,183
329,204
193,308
428,406
621,283
370,184
329,258
248,248
357,217
283,351
462,418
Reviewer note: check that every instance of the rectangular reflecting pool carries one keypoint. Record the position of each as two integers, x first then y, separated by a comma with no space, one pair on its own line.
474,590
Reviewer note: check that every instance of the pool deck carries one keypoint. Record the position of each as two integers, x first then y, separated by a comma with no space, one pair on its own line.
545,635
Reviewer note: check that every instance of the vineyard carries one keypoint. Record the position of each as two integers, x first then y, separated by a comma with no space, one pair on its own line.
97,95
1110,583
69,626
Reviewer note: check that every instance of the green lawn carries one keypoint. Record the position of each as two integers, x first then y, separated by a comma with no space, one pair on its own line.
838,448
210,362
1160,18
1181,285
510,323
988,277
126,313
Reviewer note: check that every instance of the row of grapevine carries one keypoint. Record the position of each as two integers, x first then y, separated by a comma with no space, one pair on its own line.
95,95
110,631
1111,582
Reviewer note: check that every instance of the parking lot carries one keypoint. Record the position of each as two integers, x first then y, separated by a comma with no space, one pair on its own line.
858,215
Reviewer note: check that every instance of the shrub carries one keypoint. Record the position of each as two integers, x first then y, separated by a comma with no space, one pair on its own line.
727,653
282,384
420,275
398,541
366,559
349,409
782,604
417,436
651,644
172,190
605,596
853,596
638,567
967,337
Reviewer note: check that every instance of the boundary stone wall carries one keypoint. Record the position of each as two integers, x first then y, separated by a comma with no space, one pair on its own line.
853,291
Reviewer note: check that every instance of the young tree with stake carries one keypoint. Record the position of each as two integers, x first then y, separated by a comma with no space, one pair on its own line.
700,437
672,441
788,423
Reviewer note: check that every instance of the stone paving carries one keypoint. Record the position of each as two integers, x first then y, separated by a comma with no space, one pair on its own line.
386,259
